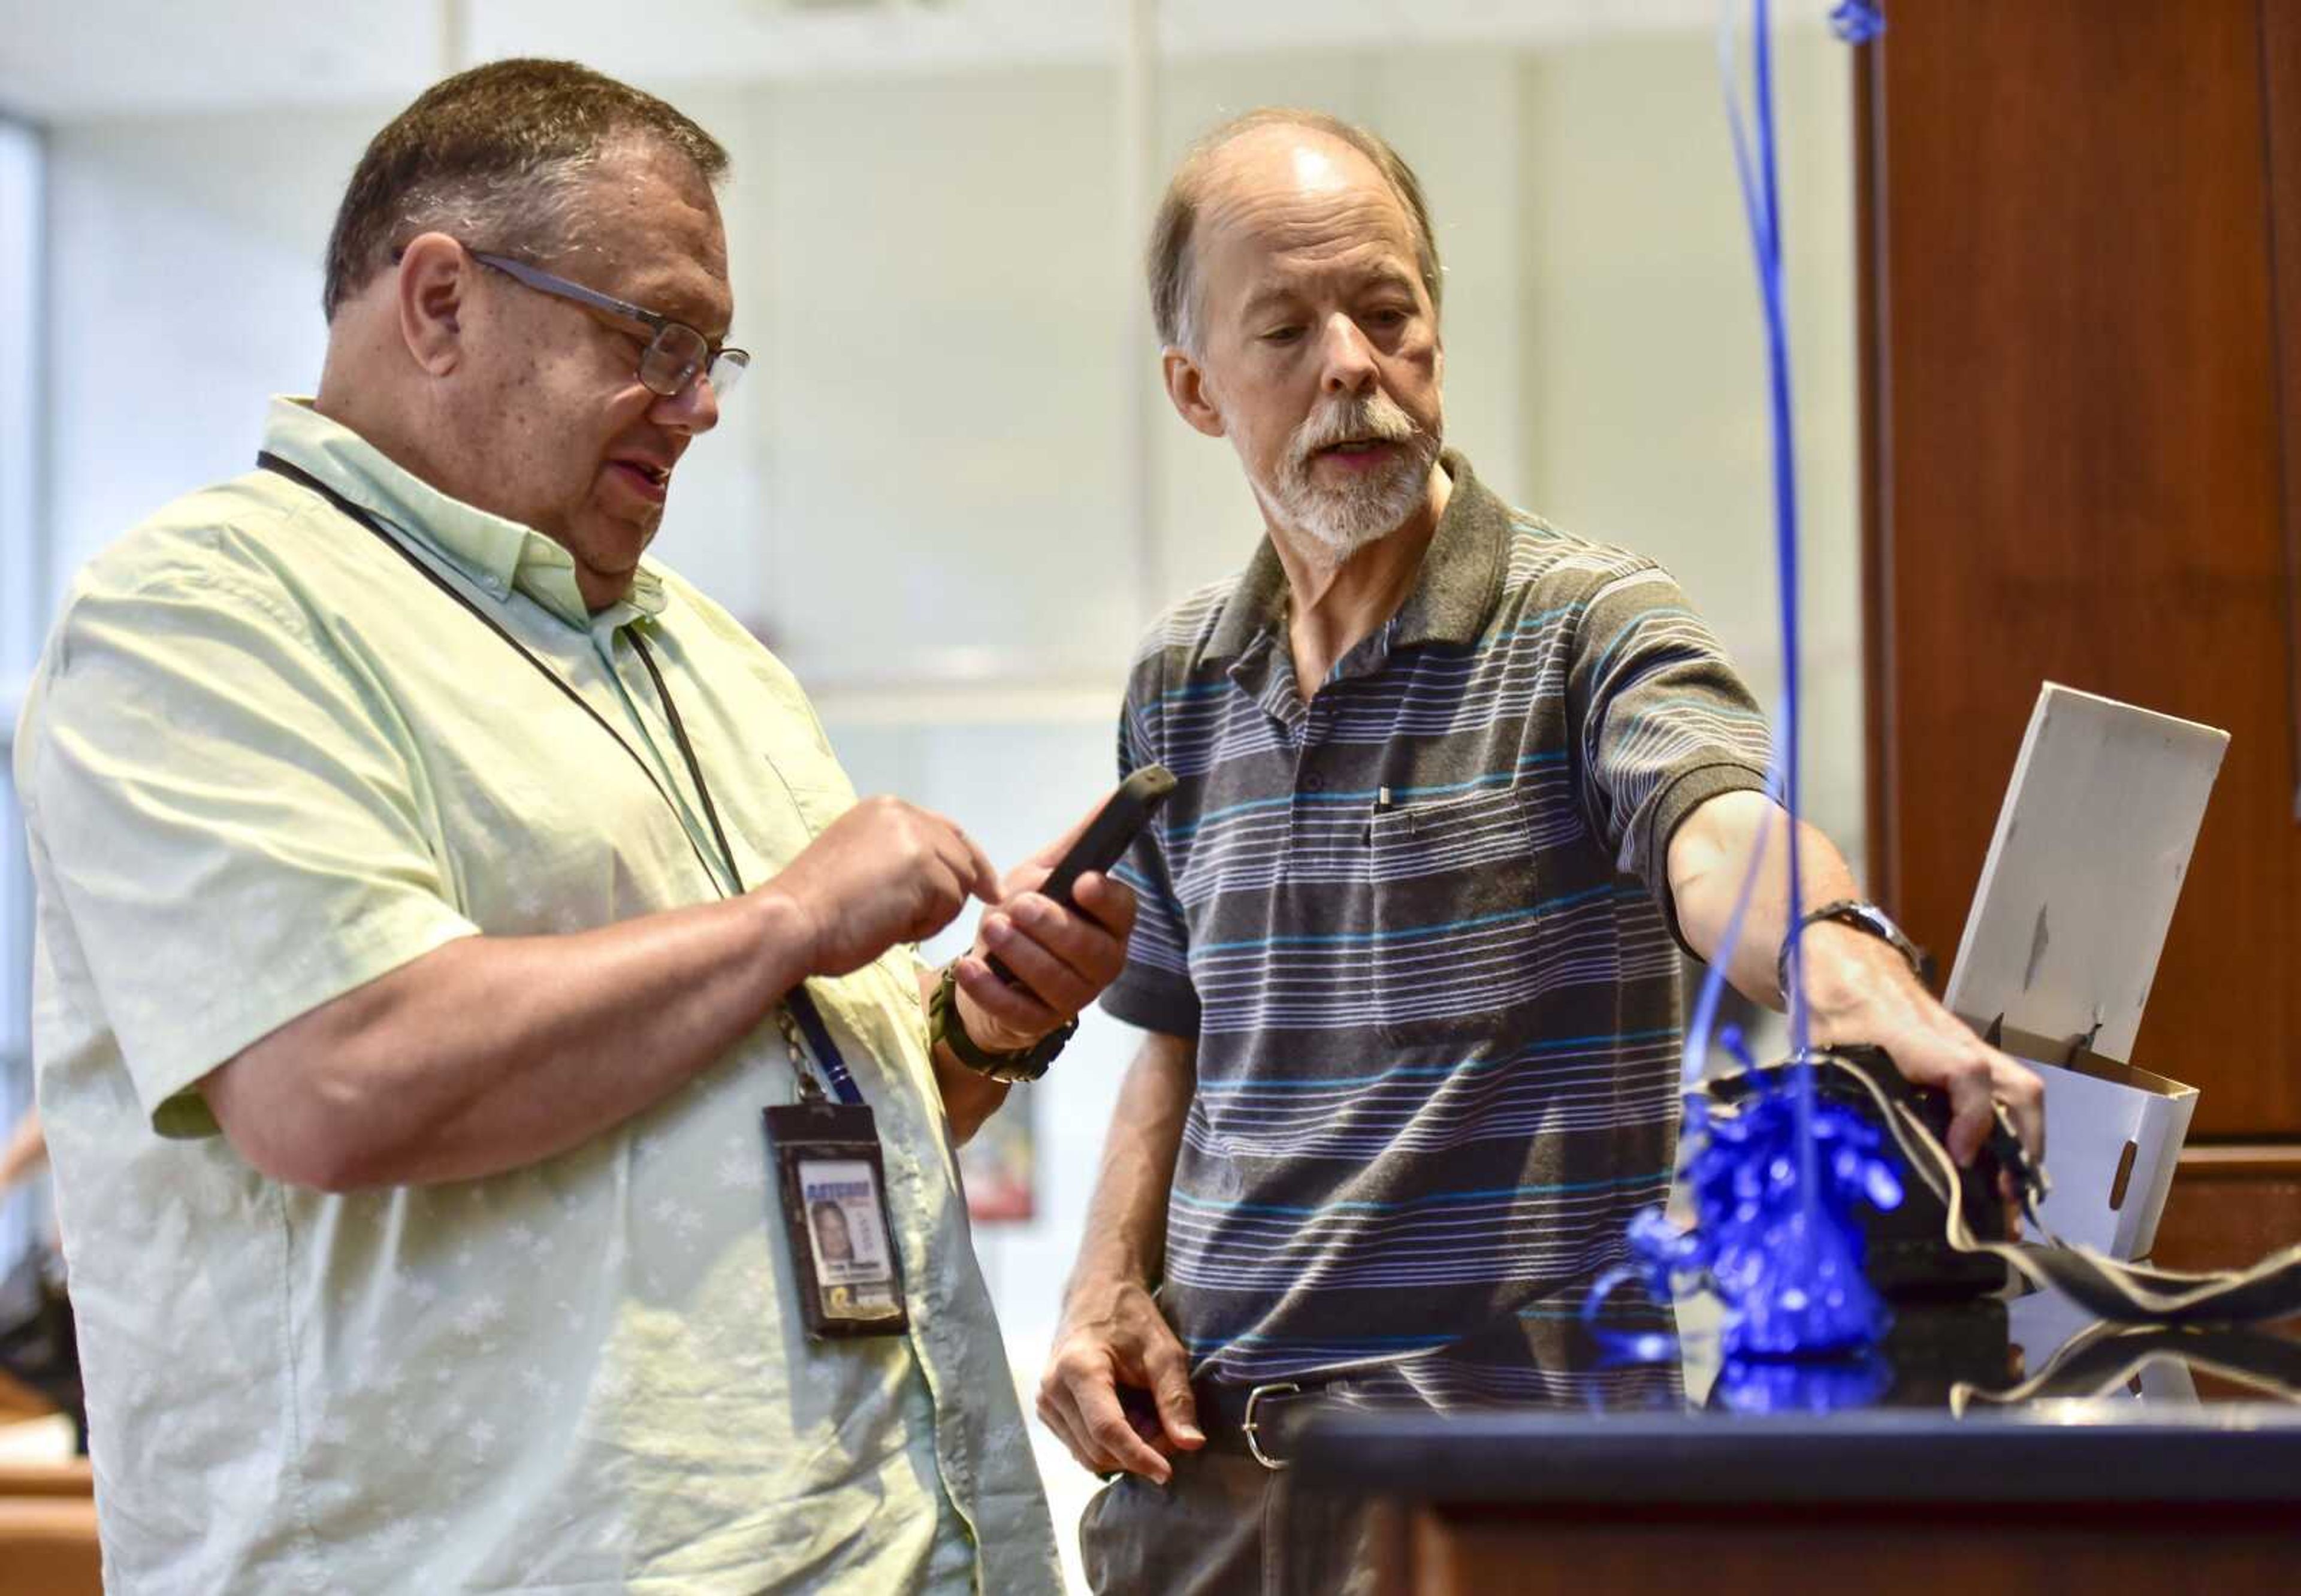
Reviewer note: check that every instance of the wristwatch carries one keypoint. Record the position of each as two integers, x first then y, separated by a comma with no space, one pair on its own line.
944,1026
1863,918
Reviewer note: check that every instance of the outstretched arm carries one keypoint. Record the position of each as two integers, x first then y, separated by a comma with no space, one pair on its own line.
1858,988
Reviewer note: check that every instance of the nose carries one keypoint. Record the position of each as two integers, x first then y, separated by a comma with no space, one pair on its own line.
1347,359
693,409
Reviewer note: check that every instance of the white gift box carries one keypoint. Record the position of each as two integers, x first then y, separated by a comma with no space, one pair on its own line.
2062,942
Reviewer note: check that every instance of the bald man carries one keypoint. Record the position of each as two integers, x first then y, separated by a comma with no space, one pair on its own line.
1455,787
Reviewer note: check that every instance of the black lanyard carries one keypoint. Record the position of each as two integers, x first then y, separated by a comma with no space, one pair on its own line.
800,1003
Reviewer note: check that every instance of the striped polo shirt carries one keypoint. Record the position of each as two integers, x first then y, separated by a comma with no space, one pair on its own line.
1420,927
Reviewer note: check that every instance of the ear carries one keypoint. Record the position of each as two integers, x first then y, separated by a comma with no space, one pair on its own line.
1187,390
434,291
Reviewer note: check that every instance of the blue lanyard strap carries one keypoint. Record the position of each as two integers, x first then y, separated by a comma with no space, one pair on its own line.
801,1004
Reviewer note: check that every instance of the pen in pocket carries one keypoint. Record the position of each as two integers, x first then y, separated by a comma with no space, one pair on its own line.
1382,806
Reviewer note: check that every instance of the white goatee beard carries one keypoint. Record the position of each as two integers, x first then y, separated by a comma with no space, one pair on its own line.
1343,520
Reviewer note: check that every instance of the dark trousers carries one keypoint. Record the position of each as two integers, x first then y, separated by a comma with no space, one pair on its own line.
1224,1526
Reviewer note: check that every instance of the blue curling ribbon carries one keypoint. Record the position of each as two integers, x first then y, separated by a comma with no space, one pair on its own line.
1781,1250
1857,22
1774,1183
1762,206
1784,1254
1770,1385
1617,1347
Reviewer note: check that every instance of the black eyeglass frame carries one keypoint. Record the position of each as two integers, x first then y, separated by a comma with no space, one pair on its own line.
724,366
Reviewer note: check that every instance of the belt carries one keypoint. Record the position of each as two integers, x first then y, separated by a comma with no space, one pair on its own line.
1259,1420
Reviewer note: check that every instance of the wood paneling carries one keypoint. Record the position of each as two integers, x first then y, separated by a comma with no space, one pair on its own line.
2074,465
2281,79
2230,1206
1456,1553
73,1477
49,1547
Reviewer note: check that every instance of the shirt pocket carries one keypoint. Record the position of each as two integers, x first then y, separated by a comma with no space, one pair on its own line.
1457,934
777,818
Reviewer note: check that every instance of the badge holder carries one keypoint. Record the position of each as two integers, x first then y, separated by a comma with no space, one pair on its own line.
832,1179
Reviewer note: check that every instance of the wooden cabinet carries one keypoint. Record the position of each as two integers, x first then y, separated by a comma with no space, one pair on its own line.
1479,1551
2081,341
2080,1497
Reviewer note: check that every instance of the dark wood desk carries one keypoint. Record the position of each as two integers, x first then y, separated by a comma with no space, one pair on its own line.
2078,1494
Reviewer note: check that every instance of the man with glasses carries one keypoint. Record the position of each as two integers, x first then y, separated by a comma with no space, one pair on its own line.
434,892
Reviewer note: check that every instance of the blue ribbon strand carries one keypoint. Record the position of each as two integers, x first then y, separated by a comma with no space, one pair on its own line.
1783,1253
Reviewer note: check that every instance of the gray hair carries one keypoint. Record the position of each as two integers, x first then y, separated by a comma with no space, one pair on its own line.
1173,286
495,156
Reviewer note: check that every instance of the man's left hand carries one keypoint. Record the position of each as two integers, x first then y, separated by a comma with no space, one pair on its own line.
1859,989
1061,957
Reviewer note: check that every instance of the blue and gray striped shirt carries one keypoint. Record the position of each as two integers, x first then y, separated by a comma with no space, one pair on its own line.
1419,926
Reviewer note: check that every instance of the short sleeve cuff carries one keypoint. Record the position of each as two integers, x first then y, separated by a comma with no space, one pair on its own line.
166,1060
1151,1001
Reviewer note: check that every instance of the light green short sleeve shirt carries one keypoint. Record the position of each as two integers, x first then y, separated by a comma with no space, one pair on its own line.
264,761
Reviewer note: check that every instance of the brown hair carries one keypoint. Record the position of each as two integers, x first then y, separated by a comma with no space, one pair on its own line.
1174,290
491,156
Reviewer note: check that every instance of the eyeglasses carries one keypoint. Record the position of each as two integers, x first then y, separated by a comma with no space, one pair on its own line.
675,356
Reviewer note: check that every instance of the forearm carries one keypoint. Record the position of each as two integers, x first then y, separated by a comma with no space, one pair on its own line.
1127,1220
1858,988
1710,855
495,1052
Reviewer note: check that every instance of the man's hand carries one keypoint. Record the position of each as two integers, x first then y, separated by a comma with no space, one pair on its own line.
1859,989
884,873
1062,959
1113,1335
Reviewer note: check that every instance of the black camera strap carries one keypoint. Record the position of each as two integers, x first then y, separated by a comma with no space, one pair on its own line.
2109,1288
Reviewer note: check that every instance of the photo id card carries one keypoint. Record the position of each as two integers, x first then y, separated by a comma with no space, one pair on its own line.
833,1188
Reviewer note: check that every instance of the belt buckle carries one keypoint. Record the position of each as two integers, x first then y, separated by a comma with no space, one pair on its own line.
1248,1426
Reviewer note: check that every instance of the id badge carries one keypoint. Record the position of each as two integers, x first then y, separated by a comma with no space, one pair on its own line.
835,1205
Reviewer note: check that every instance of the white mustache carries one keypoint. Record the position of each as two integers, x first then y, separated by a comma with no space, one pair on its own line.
1376,418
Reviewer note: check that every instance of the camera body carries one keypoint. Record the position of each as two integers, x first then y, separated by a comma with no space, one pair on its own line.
1907,1254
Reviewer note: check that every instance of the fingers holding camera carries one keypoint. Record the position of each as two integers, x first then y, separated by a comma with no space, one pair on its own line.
1061,957
1861,991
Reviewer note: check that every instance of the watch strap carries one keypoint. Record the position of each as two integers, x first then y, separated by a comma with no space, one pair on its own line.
946,1027
1863,916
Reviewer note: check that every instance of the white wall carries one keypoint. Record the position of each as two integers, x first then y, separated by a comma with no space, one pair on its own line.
920,494
185,263
1644,354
